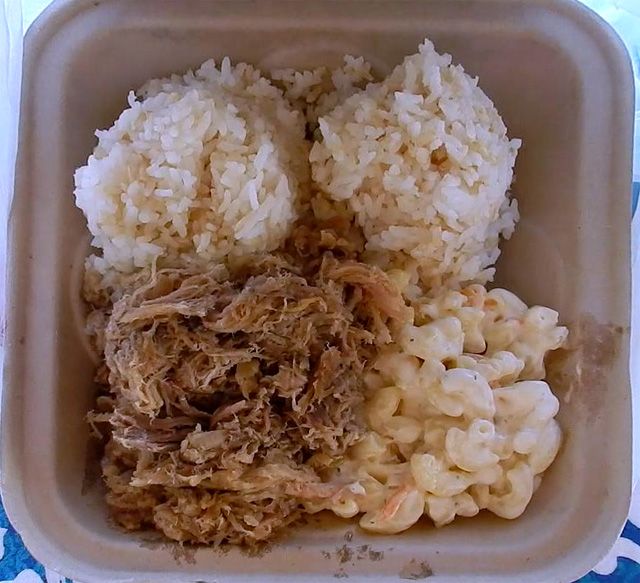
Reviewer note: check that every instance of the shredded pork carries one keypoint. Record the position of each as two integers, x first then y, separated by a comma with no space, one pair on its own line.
223,393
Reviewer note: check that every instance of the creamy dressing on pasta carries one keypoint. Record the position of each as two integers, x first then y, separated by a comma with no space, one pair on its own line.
460,418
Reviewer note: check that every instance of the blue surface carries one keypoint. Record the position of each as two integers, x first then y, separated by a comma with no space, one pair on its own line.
18,566
628,571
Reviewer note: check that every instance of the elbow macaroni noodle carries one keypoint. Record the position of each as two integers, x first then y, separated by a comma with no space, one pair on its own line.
459,417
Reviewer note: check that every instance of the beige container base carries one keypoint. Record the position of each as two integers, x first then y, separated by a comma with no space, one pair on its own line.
562,81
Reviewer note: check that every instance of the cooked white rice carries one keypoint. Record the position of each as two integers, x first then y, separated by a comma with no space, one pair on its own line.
425,163
316,92
202,166
214,164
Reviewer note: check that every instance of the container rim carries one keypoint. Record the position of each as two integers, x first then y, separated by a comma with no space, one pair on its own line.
53,19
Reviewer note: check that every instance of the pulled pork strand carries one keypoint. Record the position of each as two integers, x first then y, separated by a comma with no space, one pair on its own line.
220,392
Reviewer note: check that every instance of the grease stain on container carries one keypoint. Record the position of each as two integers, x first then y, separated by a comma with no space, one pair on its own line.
344,554
183,553
92,469
78,308
582,366
415,570
348,536
376,555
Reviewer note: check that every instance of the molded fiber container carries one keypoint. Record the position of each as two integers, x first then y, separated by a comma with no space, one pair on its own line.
562,81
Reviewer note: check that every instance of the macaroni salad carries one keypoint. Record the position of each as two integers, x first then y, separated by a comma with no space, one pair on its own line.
459,416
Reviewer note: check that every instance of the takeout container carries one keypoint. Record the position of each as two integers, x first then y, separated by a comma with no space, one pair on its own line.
562,81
